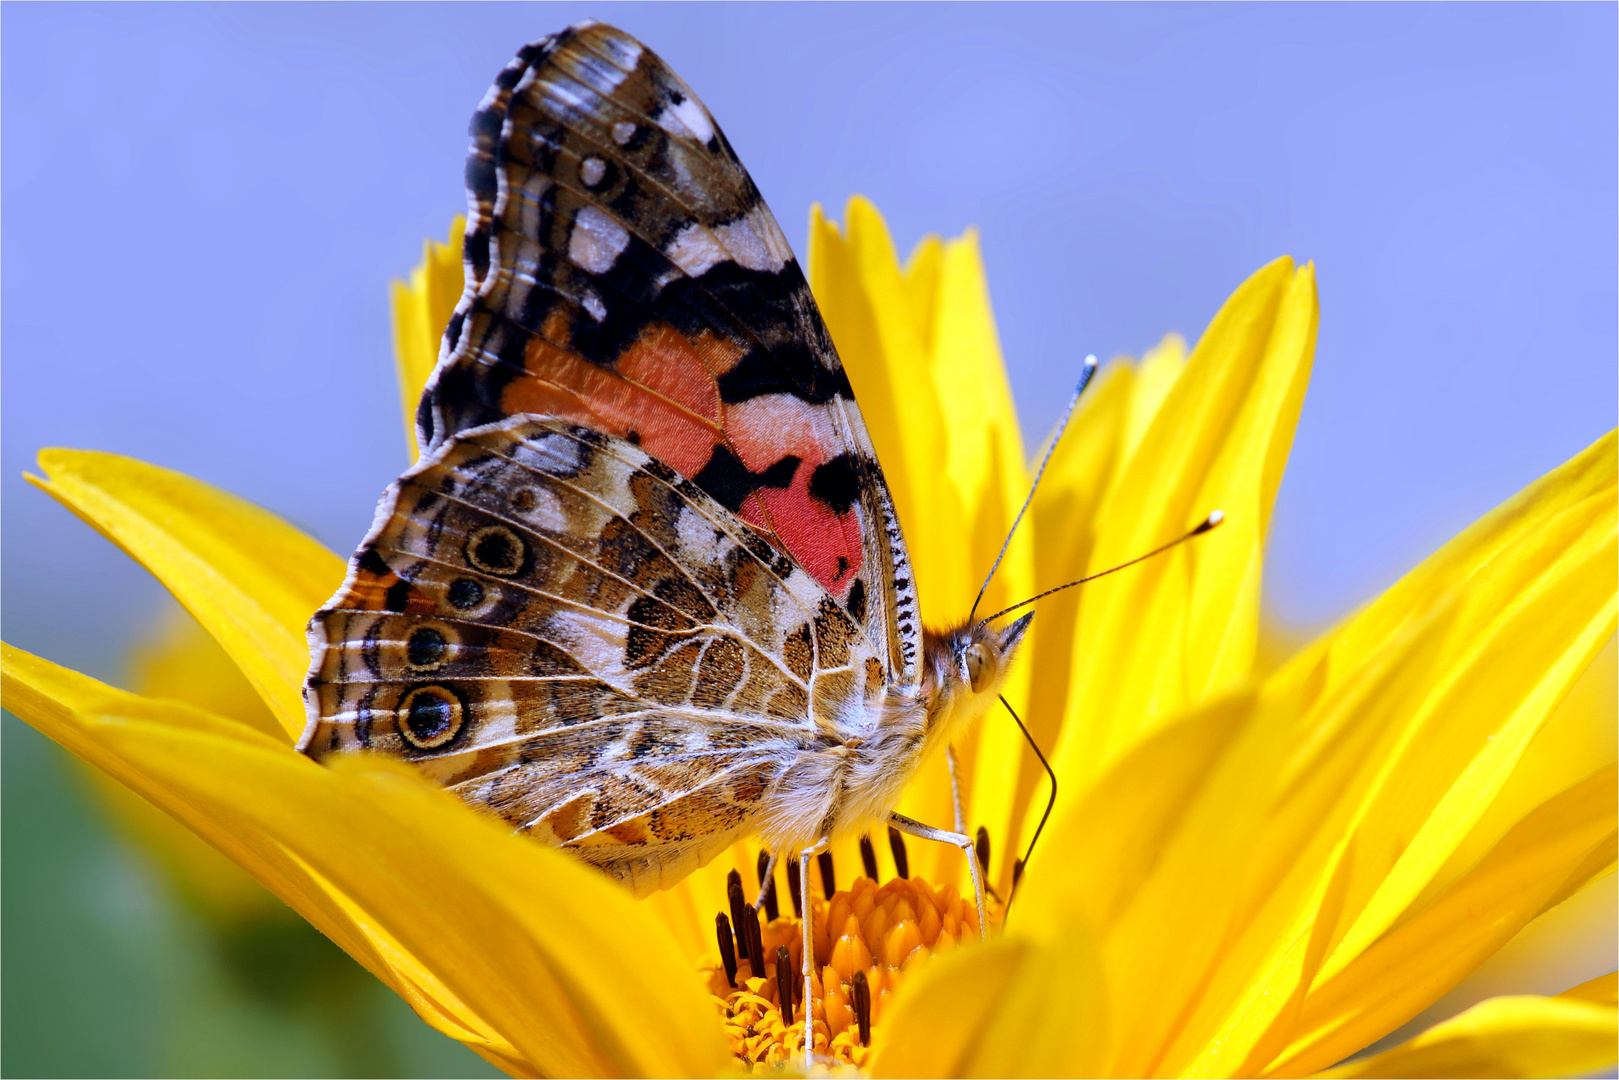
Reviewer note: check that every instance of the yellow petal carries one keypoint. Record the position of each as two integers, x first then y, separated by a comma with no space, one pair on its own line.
421,308
1504,1036
1181,628
1531,618
1273,810
1009,1007
59,703
250,578
1604,990
178,659
1107,427
525,941
882,338
1553,852
1578,734
1519,633
1258,849
911,338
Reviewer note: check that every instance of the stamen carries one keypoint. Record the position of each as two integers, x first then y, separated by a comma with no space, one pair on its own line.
896,844
756,944
793,889
1017,876
733,895
862,1007
722,930
767,888
868,857
784,983
829,880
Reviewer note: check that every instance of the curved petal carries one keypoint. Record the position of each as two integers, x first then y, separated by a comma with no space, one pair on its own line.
1273,810
1517,636
515,948
1504,1036
1009,1007
1183,627
1533,613
911,337
1553,852
422,306
1105,431
249,577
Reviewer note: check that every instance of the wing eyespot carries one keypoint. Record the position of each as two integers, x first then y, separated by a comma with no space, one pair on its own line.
426,649
464,594
496,550
430,717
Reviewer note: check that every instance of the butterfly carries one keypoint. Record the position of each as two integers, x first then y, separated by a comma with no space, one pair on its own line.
645,592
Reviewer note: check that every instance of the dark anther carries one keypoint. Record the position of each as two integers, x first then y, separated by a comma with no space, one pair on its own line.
1017,874
784,984
733,893
793,889
756,941
868,857
722,930
896,843
767,888
983,850
862,1007
829,880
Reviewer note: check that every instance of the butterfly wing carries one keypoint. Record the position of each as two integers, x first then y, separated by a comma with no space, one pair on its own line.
563,630
623,272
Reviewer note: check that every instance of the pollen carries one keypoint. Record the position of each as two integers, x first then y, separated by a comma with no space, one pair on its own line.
866,939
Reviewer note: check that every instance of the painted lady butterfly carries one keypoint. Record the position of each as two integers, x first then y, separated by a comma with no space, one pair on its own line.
645,592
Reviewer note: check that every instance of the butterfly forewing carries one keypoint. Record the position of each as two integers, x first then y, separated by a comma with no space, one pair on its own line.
623,272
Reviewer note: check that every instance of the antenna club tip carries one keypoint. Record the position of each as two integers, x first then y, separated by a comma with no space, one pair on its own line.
1090,361
1214,518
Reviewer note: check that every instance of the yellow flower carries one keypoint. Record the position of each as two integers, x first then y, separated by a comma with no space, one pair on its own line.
1248,873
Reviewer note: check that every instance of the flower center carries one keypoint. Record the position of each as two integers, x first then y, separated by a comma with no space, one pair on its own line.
865,939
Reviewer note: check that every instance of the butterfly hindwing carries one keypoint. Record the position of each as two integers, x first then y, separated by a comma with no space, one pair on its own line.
562,629
623,272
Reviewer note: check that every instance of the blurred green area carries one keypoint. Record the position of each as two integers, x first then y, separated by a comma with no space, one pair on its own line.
109,971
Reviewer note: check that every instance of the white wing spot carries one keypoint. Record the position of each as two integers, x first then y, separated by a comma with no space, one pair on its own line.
625,52
591,171
694,249
623,132
755,242
596,240
551,453
688,118
547,512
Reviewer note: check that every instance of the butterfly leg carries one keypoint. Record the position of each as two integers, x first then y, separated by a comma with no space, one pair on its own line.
769,882
808,965
960,840
955,788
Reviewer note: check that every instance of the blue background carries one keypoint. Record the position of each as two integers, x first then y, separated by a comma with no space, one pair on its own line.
203,206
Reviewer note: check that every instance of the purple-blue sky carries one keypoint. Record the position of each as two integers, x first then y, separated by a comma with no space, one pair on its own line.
203,206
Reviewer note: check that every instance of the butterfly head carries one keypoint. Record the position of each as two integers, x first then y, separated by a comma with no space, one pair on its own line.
967,665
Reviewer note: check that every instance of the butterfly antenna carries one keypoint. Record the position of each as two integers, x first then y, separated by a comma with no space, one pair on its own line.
1068,414
1214,519
1051,799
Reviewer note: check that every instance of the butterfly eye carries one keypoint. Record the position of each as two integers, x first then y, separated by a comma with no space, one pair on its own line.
979,669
